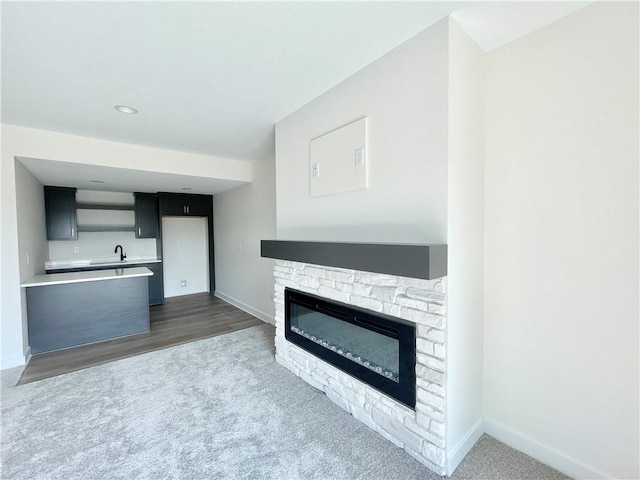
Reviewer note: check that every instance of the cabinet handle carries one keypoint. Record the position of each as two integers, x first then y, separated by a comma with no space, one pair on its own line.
184,209
139,231
187,208
72,231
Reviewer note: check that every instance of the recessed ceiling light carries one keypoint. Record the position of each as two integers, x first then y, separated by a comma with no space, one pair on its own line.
126,109
187,188
97,181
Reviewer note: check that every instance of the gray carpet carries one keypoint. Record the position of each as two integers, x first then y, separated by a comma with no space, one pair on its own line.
213,409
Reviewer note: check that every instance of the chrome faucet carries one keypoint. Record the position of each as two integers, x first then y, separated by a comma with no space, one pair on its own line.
122,255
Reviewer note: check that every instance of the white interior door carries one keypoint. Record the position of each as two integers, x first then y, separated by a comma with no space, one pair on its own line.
185,255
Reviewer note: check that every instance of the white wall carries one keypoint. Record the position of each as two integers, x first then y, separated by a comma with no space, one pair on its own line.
465,304
13,340
561,331
242,217
185,255
32,235
44,144
404,96
34,143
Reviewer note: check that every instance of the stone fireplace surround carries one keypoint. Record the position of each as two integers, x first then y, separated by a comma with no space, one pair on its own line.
420,432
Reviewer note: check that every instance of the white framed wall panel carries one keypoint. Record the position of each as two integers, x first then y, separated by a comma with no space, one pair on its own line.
337,160
185,255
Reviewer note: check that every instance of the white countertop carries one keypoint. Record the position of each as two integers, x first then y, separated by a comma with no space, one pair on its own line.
91,276
101,262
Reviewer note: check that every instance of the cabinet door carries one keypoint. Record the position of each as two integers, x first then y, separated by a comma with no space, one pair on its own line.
146,210
199,205
172,204
60,213
185,204
156,290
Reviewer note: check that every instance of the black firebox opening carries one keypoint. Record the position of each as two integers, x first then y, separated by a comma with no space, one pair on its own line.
378,349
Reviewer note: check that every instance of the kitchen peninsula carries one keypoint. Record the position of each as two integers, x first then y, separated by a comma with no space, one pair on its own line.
76,308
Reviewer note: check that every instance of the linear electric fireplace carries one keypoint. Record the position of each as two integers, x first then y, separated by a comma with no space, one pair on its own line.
367,325
378,349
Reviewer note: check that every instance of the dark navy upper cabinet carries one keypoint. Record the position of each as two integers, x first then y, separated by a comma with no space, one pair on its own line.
60,213
200,205
172,204
146,210
185,204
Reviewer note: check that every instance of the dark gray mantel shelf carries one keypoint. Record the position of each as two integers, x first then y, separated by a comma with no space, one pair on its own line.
405,260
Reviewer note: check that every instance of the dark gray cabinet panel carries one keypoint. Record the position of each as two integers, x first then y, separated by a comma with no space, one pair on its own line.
156,283
67,315
60,213
146,210
200,205
172,204
185,204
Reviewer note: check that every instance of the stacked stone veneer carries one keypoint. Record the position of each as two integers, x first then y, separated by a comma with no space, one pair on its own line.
421,432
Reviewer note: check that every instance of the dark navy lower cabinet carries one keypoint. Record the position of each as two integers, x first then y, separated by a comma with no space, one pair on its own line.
156,284
72,314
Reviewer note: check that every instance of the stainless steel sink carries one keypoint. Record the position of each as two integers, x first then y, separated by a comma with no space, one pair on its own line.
109,262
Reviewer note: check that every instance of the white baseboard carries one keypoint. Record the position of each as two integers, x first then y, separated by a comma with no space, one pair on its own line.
27,356
541,452
463,447
247,308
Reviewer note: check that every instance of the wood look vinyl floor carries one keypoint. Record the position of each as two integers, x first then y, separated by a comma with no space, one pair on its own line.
180,320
